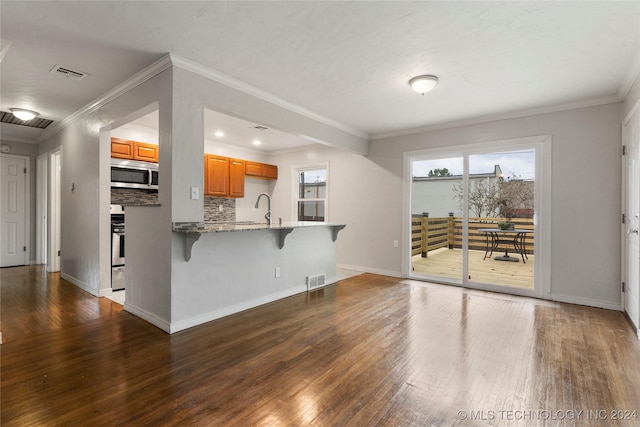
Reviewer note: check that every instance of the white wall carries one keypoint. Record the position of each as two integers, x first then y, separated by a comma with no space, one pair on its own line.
85,227
366,193
632,97
134,132
359,191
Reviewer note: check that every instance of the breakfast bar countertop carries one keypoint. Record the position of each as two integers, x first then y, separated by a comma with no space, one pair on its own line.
201,227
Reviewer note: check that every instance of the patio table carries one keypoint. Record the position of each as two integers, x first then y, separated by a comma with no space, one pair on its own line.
495,236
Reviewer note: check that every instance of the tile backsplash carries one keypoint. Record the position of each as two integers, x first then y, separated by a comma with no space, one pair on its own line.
212,213
212,209
123,196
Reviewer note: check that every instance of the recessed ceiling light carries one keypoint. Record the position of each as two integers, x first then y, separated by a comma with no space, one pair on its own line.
257,142
219,134
423,84
24,114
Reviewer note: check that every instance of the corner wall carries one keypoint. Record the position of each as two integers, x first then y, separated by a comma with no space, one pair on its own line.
366,194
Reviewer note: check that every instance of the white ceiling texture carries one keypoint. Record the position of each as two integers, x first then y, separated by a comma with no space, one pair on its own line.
348,62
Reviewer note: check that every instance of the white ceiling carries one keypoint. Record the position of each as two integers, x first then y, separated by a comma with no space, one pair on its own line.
238,132
346,61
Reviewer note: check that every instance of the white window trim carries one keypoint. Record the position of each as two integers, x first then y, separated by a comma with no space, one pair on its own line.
295,170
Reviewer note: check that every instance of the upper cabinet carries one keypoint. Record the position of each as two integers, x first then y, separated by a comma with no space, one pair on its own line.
134,150
121,148
261,170
223,177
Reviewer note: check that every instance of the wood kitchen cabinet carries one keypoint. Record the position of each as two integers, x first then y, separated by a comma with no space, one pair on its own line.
121,148
261,170
223,177
145,152
236,177
133,150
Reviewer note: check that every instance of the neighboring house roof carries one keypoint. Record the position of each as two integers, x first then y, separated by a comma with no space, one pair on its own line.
497,172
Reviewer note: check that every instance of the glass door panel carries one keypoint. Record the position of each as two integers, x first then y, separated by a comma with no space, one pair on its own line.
436,219
501,218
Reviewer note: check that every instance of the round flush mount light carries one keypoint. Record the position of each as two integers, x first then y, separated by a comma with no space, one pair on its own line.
257,142
24,115
219,134
423,84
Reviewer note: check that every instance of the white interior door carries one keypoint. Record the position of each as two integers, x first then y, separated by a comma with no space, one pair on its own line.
13,211
631,139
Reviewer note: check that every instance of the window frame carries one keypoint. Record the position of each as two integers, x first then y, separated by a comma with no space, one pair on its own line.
296,169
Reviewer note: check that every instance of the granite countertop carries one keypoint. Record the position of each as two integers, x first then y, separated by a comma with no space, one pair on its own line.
200,227
140,204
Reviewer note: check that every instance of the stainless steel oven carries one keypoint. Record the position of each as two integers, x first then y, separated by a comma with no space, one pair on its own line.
117,248
134,174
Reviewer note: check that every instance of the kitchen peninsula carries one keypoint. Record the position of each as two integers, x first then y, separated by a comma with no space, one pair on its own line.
230,267
218,269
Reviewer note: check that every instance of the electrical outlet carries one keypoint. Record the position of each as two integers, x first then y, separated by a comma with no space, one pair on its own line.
195,193
219,208
395,243
277,272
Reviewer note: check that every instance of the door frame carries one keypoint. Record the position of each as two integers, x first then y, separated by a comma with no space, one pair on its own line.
542,213
635,111
42,182
27,202
54,226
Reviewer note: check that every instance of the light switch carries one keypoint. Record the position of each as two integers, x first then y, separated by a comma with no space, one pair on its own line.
195,193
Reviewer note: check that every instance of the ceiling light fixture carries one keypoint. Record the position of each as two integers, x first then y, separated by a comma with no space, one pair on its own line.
257,142
24,115
423,84
219,134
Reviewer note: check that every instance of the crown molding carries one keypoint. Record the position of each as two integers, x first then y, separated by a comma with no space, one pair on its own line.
152,70
226,80
501,116
632,75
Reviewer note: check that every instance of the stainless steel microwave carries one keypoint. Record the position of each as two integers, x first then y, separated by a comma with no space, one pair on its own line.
134,174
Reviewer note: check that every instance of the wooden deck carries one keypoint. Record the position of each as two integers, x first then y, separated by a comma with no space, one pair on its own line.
369,351
447,263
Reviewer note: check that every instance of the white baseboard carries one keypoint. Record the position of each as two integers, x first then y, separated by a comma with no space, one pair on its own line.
609,305
79,283
226,311
149,317
107,292
389,273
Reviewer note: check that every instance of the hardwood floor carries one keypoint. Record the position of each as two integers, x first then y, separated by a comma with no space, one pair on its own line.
371,350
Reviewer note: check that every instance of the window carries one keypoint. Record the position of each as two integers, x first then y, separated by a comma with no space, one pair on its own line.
310,196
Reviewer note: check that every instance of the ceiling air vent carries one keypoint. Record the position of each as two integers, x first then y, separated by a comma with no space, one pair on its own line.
68,72
37,122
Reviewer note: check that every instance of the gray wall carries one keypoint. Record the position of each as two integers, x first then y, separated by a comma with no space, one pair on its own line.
366,194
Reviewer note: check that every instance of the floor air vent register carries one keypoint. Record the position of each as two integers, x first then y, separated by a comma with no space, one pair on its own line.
315,282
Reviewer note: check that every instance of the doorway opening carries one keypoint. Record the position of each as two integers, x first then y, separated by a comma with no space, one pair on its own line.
478,215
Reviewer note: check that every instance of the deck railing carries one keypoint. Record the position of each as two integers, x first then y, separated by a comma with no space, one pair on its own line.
428,234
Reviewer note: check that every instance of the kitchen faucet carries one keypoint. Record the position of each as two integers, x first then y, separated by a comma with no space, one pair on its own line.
267,216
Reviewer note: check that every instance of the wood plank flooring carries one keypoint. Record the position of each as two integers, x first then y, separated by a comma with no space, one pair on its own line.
369,351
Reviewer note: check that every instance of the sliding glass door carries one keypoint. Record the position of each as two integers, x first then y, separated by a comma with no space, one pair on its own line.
474,216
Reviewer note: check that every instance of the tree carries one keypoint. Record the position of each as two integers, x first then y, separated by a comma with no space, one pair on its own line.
440,172
492,198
